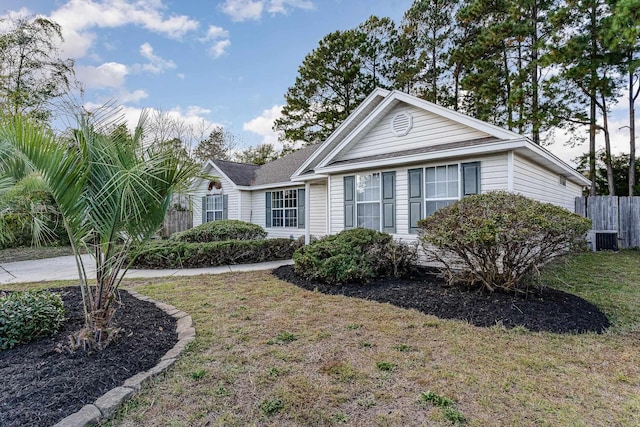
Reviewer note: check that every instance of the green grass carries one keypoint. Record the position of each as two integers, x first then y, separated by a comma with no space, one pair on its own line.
607,279
248,370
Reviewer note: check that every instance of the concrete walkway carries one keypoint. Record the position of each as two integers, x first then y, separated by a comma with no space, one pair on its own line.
64,268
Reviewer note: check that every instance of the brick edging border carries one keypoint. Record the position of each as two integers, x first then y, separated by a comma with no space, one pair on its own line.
107,404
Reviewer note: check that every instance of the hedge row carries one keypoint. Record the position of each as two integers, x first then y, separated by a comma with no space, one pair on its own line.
174,254
219,231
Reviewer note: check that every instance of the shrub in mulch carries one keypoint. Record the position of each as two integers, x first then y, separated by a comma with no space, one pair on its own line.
25,316
174,254
538,310
40,385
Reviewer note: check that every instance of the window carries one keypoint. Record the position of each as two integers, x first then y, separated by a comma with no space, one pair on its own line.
443,185
370,201
285,208
214,208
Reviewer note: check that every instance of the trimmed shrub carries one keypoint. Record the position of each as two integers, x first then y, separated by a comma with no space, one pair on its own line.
218,231
354,256
495,239
174,254
25,316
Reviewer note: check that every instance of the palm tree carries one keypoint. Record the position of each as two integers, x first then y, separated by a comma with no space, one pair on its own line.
112,190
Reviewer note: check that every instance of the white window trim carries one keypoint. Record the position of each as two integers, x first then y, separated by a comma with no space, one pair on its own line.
284,209
441,199
213,198
379,201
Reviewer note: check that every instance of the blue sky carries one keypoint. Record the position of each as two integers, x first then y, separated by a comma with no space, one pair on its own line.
229,62
225,62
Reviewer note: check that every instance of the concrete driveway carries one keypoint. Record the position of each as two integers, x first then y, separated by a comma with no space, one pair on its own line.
64,268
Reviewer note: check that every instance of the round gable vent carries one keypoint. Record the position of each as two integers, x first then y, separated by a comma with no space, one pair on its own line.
401,123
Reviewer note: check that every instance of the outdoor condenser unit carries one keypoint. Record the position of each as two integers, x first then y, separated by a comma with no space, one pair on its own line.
603,240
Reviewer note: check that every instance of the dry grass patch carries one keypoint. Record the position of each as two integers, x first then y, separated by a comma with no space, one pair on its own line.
269,353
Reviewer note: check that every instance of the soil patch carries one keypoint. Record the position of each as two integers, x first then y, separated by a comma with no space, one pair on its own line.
40,386
539,310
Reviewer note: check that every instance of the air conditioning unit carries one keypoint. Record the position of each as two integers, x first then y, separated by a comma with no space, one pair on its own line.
603,240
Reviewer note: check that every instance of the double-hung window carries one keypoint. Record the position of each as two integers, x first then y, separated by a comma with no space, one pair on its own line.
370,201
214,207
285,208
435,187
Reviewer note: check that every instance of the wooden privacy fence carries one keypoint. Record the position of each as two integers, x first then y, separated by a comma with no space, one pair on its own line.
613,213
176,221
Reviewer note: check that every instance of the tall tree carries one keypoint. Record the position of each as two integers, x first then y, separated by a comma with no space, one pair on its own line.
113,196
218,145
331,83
258,155
586,67
430,25
624,36
32,73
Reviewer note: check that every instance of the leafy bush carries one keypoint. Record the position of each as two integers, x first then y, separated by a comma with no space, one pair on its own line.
175,254
356,255
218,231
495,239
25,316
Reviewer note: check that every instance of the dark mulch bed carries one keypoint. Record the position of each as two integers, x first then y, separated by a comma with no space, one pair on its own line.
543,309
40,386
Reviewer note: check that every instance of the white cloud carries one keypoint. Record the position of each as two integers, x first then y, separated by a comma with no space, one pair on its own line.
109,74
180,76
219,48
125,96
280,6
156,64
77,17
244,10
214,32
263,124
220,38
12,15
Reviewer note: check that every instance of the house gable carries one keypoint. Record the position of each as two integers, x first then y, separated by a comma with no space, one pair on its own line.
386,135
403,123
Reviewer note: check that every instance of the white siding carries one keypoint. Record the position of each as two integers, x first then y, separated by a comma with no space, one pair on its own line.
227,188
318,210
258,216
246,207
536,182
493,176
428,129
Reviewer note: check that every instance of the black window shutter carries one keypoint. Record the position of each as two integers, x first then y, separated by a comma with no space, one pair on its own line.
204,209
225,206
416,199
389,202
470,178
349,201
301,207
267,214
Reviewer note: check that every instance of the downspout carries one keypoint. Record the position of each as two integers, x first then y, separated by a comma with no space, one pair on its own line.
307,212
510,171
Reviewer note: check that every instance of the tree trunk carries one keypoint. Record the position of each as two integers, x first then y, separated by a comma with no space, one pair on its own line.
535,120
592,102
607,148
632,128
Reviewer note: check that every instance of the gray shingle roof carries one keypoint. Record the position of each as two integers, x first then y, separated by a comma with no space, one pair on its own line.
280,170
239,173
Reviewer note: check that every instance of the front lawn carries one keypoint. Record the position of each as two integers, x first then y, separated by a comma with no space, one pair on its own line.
270,353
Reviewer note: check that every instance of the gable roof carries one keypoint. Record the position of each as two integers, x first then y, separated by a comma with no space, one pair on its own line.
395,98
238,173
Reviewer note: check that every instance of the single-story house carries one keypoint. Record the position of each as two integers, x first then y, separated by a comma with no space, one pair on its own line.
394,160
